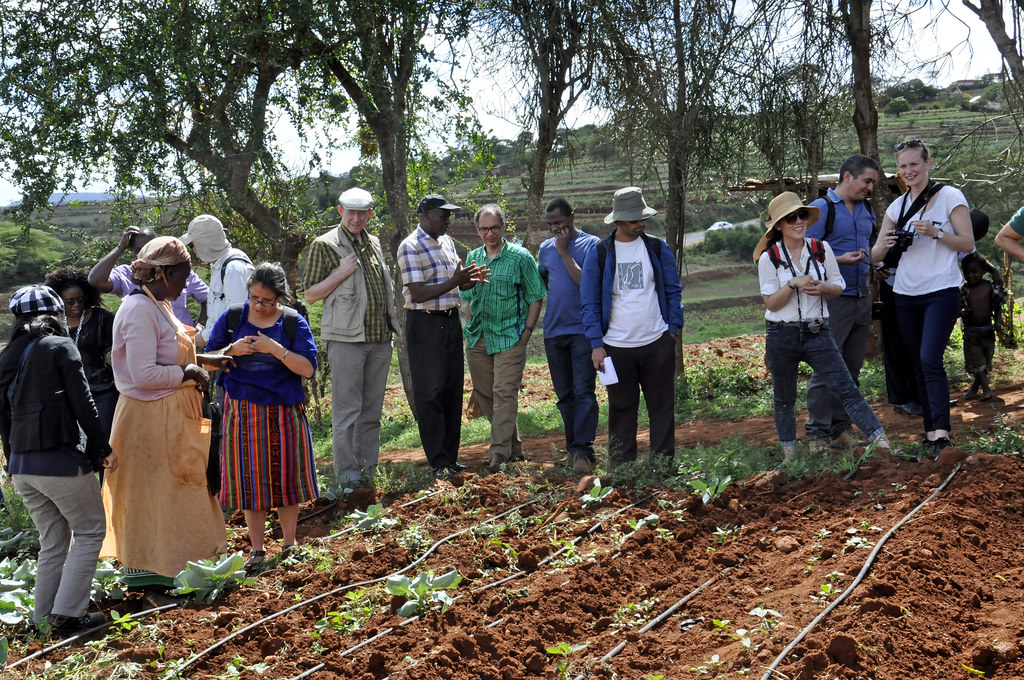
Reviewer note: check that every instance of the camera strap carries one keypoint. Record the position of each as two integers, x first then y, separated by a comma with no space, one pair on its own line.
818,274
919,203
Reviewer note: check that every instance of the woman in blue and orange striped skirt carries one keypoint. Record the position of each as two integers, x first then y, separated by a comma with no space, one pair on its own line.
266,447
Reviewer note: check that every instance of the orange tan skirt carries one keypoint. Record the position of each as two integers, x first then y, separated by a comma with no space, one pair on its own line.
159,511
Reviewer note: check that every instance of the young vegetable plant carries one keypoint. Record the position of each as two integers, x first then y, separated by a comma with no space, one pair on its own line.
375,518
709,489
638,524
3,651
424,591
350,618
208,579
596,494
565,651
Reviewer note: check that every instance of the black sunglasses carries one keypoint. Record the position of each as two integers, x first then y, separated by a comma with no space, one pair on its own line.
801,214
909,144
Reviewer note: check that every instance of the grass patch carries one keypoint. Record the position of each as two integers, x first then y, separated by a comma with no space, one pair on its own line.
727,322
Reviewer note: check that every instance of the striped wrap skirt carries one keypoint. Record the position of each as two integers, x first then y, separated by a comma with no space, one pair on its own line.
266,456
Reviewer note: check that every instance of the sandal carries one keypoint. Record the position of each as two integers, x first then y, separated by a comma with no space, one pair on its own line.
256,558
286,550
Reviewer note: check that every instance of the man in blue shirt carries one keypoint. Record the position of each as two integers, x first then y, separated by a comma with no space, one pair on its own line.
847,222
567,348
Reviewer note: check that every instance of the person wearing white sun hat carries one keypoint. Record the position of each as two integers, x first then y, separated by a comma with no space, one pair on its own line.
796,276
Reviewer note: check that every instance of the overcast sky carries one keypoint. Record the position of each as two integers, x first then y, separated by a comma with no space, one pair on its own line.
974,56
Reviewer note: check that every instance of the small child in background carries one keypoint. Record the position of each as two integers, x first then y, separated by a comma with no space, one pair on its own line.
981,312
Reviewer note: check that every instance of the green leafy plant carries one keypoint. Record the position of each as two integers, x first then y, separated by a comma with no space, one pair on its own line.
4,646
122,623
424,591
724,534
564,651
721,625
350,618
638,524
374,518
596,494
709,489
769,618
633,614
415,539
107,582
208,579
17,579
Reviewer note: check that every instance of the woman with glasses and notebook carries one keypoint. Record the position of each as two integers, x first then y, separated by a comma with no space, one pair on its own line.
797,274
266,447
921,236
92,329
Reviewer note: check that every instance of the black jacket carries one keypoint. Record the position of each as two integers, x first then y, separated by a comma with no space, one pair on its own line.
51,401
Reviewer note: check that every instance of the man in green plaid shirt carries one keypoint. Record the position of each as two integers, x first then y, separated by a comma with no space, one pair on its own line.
502,316
345,268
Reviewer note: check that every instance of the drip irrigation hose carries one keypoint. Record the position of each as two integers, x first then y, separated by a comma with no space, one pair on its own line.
860,577
86,633
199,655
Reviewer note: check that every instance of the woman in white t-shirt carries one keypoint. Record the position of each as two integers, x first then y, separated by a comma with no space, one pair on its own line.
797,275
927,281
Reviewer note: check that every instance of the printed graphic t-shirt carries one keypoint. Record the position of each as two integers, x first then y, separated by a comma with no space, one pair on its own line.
635,317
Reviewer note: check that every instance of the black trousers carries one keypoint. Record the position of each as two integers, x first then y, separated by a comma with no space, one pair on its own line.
437,367
900,379
650,368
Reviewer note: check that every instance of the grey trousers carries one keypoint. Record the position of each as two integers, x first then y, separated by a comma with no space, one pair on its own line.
68,512
359,377
850,319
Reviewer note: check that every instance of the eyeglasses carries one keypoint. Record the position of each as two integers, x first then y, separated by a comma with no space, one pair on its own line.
801,214
909,144
259,302
492,230
74,301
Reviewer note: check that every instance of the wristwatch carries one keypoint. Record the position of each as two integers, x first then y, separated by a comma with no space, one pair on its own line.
938,235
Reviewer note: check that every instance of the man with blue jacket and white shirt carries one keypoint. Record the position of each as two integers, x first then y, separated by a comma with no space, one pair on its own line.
847,222
632,313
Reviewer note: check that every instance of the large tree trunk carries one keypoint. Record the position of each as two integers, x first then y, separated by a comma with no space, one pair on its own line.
865,115
396,187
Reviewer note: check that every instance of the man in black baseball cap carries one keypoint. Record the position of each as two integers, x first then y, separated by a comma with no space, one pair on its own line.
432,275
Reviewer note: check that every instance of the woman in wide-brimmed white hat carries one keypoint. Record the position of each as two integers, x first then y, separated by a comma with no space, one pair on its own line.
796,276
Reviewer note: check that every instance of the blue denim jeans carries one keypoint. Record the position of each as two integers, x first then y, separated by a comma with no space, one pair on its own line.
573,376
926,322
785,347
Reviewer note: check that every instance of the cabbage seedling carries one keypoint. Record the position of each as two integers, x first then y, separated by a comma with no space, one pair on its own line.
596,494
208,579
374,519
424,591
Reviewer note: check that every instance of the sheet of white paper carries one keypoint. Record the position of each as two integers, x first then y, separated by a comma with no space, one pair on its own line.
608,376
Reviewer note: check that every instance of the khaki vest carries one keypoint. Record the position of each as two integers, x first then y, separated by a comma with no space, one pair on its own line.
344,308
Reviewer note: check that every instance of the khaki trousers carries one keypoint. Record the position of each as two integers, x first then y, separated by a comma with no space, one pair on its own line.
496,381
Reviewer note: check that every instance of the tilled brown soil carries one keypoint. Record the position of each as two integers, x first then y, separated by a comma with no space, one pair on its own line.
943,598
943,595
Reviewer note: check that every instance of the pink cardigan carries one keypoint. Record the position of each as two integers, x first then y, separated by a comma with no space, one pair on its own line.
145,352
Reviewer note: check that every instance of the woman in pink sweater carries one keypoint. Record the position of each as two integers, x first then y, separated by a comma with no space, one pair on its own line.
160,513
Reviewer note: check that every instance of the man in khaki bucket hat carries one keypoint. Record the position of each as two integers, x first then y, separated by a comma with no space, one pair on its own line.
632,314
